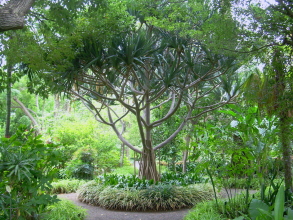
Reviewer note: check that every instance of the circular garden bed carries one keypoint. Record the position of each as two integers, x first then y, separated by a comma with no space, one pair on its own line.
159,197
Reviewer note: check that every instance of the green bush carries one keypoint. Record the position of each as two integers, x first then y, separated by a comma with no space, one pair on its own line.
64,210
26,172
126,181
66,186
206,210
86,134
241,183
151,198
226,209
123,181
181,179
90,192
82,164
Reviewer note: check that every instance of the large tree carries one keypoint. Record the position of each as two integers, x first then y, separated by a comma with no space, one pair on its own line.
142,71
271,39
113,56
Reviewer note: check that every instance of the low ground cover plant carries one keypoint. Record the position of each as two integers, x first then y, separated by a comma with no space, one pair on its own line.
64,210
171,178
134,194
223,209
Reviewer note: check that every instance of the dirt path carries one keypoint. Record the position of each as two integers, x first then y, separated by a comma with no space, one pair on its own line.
97,213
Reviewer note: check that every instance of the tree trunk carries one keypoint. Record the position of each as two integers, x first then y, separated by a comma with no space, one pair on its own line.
185,154
12,14
122,150
286,150
281,107
148,168
8,102
37,103
57,105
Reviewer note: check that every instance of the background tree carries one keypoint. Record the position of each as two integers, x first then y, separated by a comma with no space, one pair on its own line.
274,30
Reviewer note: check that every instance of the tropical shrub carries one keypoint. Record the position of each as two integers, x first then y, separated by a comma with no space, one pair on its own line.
240,183
182,179
26,172
126,181
82,164
64,210
278,211
222,209
87,150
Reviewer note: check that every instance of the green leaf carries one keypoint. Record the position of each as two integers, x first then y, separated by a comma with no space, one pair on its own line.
255,207
290,214
8,189
228,112
279,204
239,218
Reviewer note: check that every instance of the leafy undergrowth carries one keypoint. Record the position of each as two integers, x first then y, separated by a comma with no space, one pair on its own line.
64,210
226,209
160,197
66,186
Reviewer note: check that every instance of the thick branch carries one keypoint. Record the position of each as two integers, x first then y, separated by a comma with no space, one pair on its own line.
119,135
172,110
12,14
27,113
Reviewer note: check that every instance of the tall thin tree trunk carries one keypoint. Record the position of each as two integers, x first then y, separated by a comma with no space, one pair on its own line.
37,103
57,105
185,153
286,150
282,110
8,101
122,151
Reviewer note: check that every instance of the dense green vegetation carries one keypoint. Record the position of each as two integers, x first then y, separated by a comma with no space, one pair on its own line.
163,103
144,195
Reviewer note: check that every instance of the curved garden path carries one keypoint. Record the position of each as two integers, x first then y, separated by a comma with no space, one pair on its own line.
98,213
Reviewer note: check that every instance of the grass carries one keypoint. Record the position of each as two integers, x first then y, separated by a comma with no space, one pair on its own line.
125,170
64,210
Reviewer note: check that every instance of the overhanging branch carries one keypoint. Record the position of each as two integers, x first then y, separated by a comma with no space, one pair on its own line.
12,14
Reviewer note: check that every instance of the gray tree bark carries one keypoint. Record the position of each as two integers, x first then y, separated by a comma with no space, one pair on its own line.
27,113
8,101
12,14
